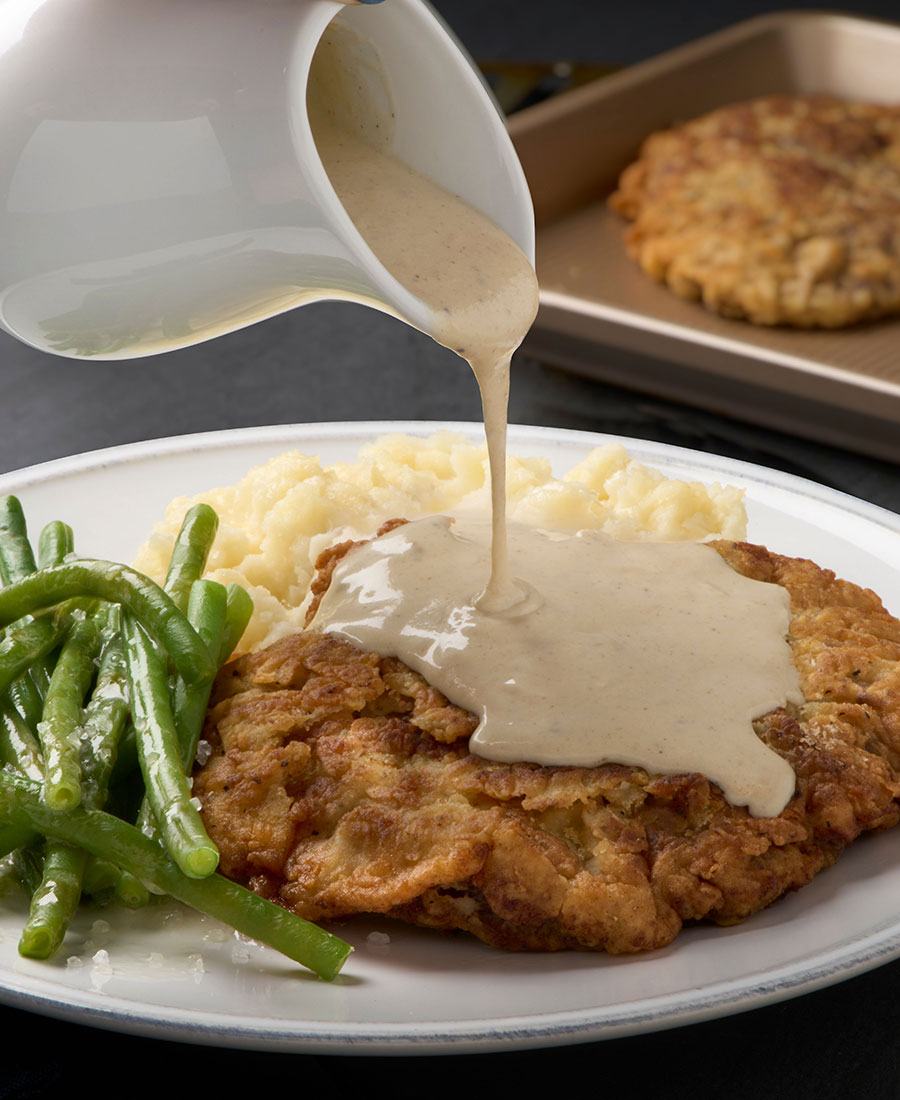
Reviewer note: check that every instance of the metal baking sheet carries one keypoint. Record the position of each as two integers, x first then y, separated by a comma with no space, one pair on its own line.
602,316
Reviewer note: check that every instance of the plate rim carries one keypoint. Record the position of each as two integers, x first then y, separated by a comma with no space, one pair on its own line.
441,1037
141,450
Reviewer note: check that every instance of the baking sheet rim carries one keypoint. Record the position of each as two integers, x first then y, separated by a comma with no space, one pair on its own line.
669,330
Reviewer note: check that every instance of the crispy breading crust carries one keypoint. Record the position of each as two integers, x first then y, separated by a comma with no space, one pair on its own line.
340,782
782,210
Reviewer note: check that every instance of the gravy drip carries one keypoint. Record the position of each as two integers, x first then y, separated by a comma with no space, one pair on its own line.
592,651
481,288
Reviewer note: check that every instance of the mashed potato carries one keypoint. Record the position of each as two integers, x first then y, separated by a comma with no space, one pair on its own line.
277,519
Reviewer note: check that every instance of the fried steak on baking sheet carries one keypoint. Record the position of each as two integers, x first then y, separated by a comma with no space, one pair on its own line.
340,782
784,210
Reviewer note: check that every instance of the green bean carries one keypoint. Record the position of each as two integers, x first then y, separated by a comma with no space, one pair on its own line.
105,718
165,782
19,748
40,674
54,900
29,861
59,728
206,613
238,609
100,876
16,555
55,876
13,838
116,584
67,873
146,822
8,876
25,697
55,543
16,562
26,642
113,839
17,652
105,714
130,891
190,552
20,752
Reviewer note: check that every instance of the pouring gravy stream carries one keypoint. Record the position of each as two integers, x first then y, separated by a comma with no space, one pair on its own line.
573,650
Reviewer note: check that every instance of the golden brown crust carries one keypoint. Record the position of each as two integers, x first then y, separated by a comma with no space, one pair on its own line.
341,782
782,210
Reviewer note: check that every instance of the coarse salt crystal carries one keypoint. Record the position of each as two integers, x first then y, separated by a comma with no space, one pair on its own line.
100,960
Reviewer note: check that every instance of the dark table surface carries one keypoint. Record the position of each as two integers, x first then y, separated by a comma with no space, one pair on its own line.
335,362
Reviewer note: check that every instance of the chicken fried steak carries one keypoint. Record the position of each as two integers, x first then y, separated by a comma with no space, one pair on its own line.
784,210
340,782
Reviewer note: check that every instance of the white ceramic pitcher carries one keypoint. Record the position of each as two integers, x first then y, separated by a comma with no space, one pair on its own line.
162,183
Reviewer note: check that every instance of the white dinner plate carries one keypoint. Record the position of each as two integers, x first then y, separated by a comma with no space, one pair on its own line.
169,973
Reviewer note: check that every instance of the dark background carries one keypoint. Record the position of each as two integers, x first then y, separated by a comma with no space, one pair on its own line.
335,362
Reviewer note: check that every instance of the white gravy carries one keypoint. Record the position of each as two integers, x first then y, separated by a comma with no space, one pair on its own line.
626,652
586,650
